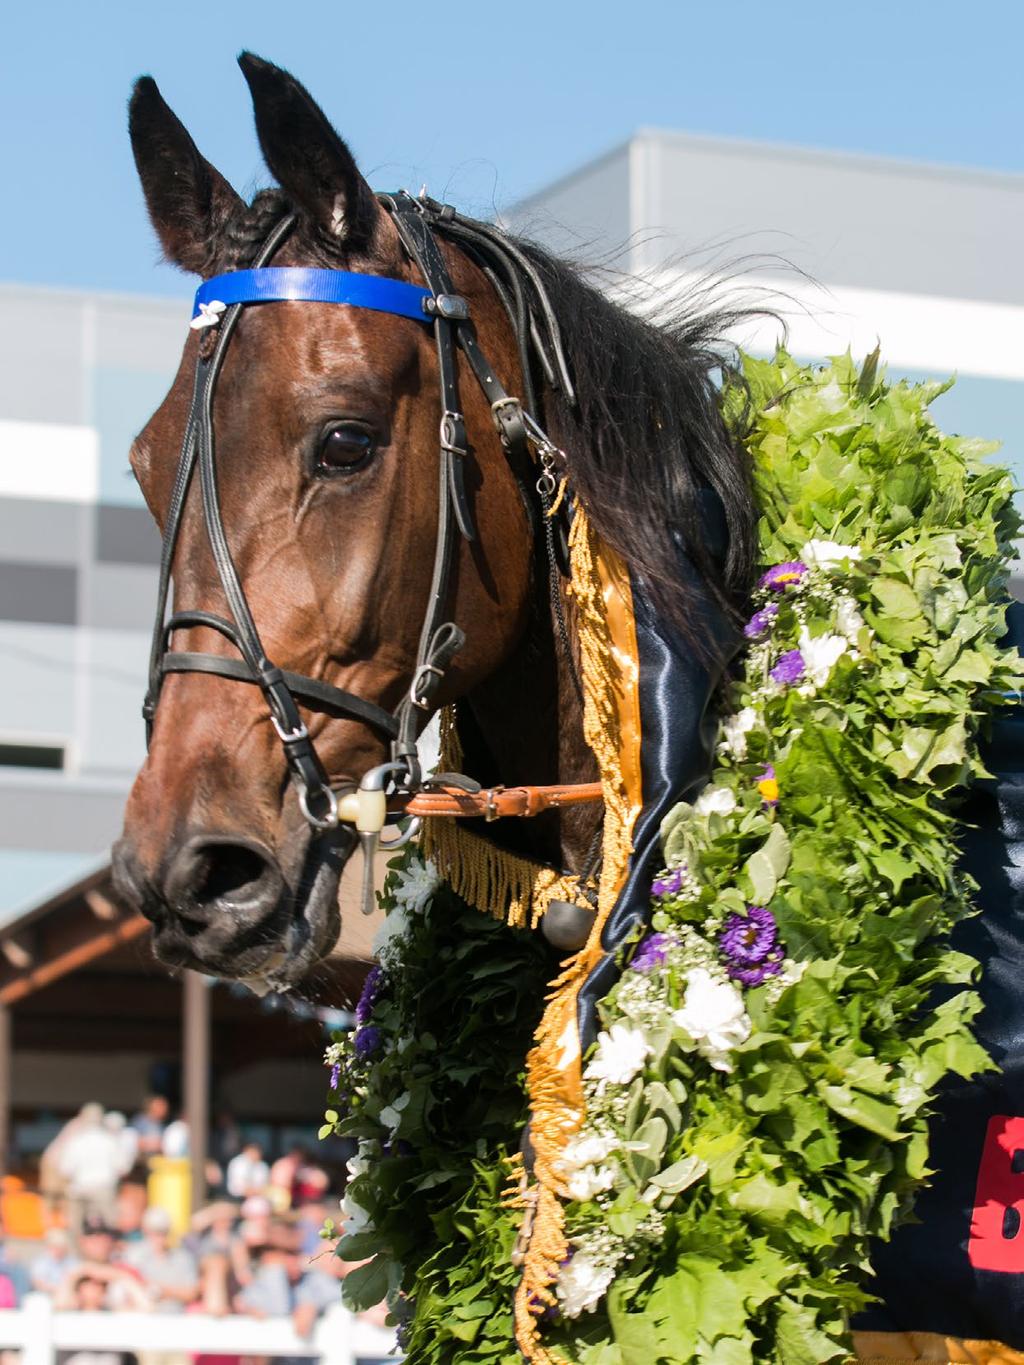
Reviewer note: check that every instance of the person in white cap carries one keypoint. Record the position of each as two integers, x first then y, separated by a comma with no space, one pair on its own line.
169,1273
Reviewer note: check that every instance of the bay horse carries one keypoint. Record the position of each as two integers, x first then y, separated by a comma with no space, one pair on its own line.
325,491
355,526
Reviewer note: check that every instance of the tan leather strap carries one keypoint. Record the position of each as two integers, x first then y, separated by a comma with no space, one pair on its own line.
495,803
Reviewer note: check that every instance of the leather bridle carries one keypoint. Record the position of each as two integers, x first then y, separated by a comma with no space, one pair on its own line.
521,291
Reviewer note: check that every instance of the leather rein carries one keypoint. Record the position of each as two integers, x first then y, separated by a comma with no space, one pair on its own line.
396,788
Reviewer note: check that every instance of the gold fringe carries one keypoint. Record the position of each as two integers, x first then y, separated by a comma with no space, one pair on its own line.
493,881
600,586
559,498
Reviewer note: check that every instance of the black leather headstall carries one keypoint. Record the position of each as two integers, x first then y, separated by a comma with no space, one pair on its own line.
537,334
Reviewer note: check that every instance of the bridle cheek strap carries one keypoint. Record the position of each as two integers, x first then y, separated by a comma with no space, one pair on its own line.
218,304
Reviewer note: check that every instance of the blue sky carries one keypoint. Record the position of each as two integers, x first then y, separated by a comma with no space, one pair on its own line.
483,101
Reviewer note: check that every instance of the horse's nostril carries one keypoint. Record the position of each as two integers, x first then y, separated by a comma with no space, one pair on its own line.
229,872
208,873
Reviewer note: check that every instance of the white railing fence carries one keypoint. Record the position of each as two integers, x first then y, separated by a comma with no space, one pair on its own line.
339,1338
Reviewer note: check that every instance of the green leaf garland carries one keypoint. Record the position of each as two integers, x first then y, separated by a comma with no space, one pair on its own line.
759,1093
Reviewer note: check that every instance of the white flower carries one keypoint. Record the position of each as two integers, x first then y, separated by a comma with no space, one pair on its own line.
359,1164
712,1014
824,553
735,730
416,884
819,653
720,800
582,1284
620,1055
390,936
849,621
357,1219
585,1150
588,1181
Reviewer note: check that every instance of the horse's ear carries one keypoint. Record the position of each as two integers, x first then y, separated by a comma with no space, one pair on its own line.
188,200
307,157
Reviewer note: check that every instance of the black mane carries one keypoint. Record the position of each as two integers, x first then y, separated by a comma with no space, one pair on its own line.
644,433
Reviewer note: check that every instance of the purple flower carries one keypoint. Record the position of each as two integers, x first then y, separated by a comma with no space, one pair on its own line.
757,975
783,576
669,884
367,1041
747,939
760,621
371,989
790,668
652,952
335,1075
750,946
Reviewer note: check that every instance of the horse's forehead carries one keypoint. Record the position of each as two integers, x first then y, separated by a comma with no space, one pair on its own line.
297,344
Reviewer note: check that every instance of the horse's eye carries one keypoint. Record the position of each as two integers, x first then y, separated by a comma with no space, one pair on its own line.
344,447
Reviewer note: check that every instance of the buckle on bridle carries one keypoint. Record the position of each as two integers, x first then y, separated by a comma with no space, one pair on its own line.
419,694
289,736
451,307
453,432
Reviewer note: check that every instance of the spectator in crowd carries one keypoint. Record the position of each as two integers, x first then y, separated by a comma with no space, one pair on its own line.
317,1290
88,1290
98,1244
91,1163
48,1270
311,1184
247,1172
52,1183
125,1136
309,1219
220,1248
174,1142
283,1176
92,1287
14,1282
149,1123
170,1274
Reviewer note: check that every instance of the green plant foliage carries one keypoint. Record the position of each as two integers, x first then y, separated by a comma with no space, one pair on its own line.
749,1129
435,1107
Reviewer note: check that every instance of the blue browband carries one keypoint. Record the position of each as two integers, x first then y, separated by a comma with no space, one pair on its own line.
275,284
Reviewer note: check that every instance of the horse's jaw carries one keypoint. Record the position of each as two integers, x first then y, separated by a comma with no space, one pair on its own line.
275,955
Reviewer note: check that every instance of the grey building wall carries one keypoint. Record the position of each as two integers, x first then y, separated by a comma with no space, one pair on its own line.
80,375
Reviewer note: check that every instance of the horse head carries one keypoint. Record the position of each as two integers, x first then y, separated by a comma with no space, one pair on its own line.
325,494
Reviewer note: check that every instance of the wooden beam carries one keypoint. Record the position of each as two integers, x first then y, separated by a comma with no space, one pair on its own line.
101,906
19,949
61,964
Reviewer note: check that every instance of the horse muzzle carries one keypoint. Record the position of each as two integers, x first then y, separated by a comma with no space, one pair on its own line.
224,905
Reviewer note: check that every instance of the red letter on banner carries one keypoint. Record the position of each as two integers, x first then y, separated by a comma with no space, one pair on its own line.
997,1224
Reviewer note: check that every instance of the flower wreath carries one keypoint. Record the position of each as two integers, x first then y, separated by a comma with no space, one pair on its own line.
757,1098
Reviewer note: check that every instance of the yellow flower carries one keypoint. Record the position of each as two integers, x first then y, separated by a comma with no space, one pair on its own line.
769,789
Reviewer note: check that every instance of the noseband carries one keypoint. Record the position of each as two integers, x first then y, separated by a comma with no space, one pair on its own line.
219,302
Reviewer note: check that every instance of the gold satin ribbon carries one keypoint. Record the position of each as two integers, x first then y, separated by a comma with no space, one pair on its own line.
611,723
901,1348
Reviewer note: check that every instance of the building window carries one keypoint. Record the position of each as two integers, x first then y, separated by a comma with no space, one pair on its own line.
51,756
